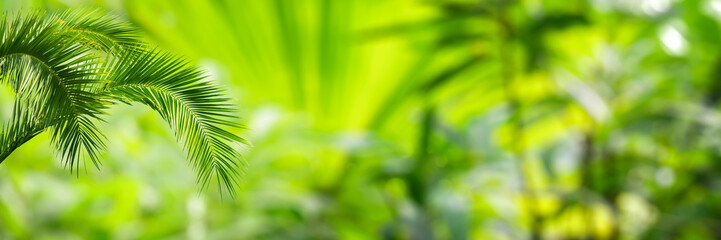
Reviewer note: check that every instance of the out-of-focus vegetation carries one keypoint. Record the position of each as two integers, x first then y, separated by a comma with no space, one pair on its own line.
410,119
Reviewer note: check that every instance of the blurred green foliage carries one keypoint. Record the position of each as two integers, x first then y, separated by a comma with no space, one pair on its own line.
411,119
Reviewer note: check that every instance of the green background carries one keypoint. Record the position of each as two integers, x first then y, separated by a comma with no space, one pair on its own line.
409,119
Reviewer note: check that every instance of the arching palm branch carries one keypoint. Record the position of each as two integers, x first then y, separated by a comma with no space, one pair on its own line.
66,69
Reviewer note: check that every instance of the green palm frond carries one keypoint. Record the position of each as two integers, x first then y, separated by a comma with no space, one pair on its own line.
196,109
53,75
101,31
67,68
20,129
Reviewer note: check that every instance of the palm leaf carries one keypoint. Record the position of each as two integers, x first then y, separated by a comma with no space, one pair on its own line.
67,68
196,109
99,30
54,76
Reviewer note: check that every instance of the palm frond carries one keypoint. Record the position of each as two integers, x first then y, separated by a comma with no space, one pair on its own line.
99,30
196,109
22,127
67,68
55,76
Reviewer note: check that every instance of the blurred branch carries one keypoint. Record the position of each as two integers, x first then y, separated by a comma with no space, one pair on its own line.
506,53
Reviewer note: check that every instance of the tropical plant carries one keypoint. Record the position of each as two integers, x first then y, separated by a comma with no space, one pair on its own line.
67,68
